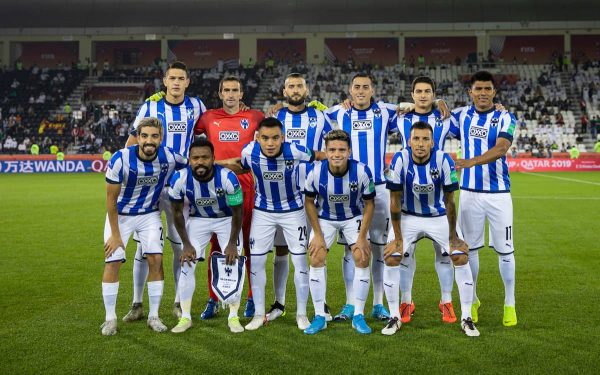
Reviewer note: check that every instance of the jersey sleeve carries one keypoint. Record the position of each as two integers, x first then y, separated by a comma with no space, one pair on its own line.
332,112
310,190
454,129
233,190
200,127
114,171
302,153
450,180
367,184
507,126
180,161
143,112
246,156
177,187
396,178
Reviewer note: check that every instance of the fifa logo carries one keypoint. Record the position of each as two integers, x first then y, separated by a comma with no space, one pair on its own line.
245,124
435,173
228,271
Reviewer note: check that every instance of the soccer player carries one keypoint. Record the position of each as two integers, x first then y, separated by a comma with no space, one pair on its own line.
305,126
278,203
420,176
230,129
178,114
486,135
135,178
368,124
215,197
342,187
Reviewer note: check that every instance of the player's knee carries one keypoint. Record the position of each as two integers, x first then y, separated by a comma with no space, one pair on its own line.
318,259
281,250
359,261
393,261
459,259
154,262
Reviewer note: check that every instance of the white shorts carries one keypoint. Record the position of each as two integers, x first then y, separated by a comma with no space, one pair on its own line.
265,224
350,229
201,229
414,228
147,228
381,222
497,208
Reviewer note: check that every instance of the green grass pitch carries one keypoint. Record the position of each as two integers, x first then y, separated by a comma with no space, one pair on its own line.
51,305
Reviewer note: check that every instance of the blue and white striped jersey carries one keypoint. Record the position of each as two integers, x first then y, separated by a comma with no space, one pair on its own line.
368,131
479,132
306,128
340,197
142,181
208,199
178,121
441,128
276,178
422,185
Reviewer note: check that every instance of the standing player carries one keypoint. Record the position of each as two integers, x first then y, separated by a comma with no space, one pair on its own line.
342,187
304,126
420,175
135,178
486,135
229,129
368,124
178,114
215,198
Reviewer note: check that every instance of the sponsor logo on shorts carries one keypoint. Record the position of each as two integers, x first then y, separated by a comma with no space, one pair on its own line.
203,202
478,132
229,136
149,180
176,127
336,198
272,176
295,133
418,189
362,124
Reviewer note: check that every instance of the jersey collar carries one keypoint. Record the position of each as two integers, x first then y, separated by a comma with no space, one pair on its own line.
484,112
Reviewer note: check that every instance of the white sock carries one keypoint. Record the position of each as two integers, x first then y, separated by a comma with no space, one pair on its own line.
474,264
301,282
507,271
155,292
362,281
140,274
109,294
281,269
187,285
391,286
407,275
318,289
177,251
233,310
445,272
258,280
464,280
348,274
377,266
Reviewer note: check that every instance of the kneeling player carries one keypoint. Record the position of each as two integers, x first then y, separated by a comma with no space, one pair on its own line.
342,187
215,197
135,178
419,175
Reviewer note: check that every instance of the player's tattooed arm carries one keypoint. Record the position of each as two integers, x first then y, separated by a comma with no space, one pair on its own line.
395,246
318,242
114,241
189,252
491,155
231,253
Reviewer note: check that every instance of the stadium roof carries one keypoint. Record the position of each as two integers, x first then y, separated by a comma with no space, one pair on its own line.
284,14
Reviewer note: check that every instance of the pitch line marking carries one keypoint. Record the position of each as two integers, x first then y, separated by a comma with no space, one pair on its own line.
563,178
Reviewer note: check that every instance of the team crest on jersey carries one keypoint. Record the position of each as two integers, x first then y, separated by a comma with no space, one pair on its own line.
435,173
245,123
312,122
494,122
190,113
220,192
164,167
439,122
377,113
353,186
289,164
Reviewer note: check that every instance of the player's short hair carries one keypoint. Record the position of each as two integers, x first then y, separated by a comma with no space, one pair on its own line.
423,79
151,122
363,75
421,125
177,65
337,135
483,76
270,122
203,142
231,79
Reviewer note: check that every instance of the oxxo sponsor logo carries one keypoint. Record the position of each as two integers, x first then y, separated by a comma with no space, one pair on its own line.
362,124
202,202
418,189
229,136
295,133
336,198
478,132
149,180
176,127
272,176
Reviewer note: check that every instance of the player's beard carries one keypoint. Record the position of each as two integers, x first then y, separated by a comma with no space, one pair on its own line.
146,147
296,102
202,172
